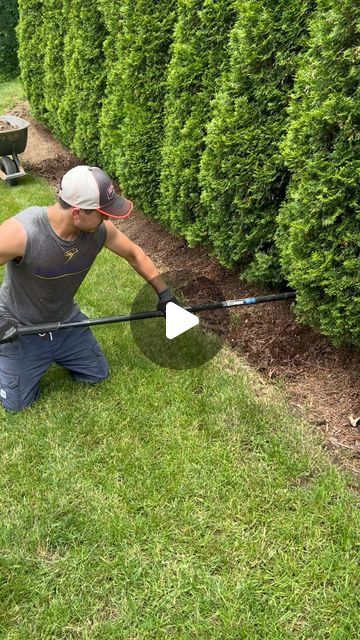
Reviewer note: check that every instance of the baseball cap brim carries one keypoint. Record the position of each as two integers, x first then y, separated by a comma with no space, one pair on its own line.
119,208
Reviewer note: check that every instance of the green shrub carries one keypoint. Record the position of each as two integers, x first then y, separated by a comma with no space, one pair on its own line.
142,63
111,115
84,82
243,175
199,55
319,226
30,31
54,83
9,15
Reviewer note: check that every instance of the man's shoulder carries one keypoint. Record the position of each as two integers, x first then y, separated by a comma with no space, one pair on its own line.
31,213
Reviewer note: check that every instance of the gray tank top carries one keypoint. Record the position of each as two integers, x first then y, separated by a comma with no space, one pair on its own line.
41,286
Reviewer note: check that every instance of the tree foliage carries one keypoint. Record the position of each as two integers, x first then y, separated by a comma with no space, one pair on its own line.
84,81
192,105
243,174
30,33
319,226
199,55
53,43
112,109
9,17
145,48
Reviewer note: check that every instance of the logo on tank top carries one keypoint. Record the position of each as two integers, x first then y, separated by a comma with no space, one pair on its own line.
69,254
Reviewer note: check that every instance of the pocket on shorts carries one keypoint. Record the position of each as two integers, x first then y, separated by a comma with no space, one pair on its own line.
9,388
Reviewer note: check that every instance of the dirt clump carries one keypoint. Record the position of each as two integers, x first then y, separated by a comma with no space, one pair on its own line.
7,126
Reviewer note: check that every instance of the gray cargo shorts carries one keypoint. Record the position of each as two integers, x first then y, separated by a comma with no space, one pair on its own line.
25,361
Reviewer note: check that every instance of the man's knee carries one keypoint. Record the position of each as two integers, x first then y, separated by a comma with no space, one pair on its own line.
94,367
11,396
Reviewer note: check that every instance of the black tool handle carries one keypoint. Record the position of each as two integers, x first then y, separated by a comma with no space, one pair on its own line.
226,304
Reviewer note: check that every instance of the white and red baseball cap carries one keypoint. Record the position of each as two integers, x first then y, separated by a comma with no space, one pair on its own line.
91,188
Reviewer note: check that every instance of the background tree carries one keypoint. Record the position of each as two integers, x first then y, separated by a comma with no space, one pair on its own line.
9,16
199,55
243,174
319,226
54,80
112,110
84,84
30,32
145,53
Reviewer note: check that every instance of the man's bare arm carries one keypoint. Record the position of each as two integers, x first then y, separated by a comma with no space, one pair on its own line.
135,256
12,241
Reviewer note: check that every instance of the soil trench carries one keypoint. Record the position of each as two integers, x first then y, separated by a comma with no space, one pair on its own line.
322,383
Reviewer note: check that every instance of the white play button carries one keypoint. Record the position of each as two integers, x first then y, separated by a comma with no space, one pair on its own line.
178,320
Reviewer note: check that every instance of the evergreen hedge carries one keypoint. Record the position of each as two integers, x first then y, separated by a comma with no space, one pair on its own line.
53,81
9,16
199,55
319,226
216,117
111,115
243,175
30,32
147,35
84,79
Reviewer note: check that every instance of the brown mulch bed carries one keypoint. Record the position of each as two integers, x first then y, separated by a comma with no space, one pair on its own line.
322,383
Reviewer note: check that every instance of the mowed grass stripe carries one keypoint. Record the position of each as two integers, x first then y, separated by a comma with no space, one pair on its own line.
168,504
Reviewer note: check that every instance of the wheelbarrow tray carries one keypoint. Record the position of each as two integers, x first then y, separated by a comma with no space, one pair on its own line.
13,140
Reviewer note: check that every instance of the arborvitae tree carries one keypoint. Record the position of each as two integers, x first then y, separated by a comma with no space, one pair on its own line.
111,116
243,174
199,55
30,31
53,44
9,16
145,52
319,233
80,106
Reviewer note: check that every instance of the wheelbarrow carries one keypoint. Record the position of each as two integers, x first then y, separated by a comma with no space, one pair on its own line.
12,142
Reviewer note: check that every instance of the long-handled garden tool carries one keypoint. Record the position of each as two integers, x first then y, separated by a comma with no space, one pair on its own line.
56,326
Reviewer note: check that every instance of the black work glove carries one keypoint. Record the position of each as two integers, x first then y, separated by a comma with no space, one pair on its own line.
8,330
166,296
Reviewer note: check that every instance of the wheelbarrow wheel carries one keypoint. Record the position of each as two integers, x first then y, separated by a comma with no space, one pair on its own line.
8,166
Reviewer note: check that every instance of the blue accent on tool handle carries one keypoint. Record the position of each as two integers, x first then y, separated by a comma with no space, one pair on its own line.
249,300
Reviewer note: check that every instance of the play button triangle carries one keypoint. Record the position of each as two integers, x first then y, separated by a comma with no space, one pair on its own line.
178,320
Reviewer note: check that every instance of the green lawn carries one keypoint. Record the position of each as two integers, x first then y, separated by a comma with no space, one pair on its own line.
168,504
11,93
